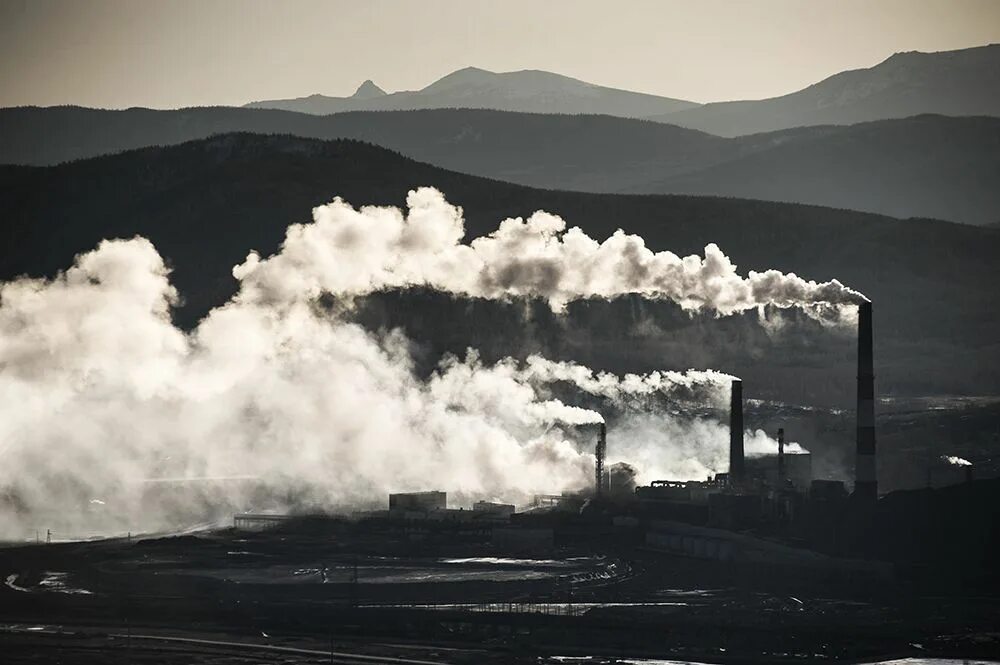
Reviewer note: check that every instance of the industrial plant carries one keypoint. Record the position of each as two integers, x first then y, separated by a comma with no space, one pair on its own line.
767,511
764,559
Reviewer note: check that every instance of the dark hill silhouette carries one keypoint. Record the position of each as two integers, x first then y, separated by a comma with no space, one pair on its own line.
957,83
530,91
929,166
206,203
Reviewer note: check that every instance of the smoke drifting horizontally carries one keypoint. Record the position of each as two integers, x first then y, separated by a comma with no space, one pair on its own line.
354,252
274,398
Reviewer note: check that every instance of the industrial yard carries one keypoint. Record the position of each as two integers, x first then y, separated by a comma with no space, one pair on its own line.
445,592
763,563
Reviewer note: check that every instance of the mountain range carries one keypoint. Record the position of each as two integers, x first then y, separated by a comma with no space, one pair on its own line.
924,166
964,82
206,203
529,91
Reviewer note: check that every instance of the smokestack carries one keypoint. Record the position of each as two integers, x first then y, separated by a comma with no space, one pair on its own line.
781,458
602,447
968,473
865,479
736,466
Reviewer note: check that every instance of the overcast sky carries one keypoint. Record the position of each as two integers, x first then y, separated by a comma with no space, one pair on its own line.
120,53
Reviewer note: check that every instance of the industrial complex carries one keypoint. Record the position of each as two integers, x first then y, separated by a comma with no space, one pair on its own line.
766,510
762,563
771,495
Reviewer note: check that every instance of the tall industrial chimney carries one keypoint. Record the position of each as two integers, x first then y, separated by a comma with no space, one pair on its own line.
736,465
865,479
599,453
781,458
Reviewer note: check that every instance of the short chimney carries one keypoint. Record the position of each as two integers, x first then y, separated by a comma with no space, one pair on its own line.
781,457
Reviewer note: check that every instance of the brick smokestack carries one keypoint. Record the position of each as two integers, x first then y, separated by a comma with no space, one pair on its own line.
865,479
736,465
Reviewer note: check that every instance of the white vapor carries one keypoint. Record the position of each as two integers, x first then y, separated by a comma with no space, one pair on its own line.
99,393
354,252
273,397
710,387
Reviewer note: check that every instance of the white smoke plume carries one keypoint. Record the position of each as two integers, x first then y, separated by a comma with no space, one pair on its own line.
353,252
711,387
955,461
113,419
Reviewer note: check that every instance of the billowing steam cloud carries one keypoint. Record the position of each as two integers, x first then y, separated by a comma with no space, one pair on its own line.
100,392
955,461
274,398
354,252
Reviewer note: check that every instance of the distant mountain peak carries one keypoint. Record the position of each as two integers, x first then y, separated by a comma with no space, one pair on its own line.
472,71
368,90
464,76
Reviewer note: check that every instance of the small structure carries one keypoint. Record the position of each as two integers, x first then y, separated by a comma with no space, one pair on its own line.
685,501
258,522
501,511
418,501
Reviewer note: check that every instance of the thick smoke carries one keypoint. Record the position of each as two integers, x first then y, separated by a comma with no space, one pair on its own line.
100,393
113,419
354,252
102,396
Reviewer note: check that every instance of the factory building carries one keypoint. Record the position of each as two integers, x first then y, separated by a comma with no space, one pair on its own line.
424,502
501,511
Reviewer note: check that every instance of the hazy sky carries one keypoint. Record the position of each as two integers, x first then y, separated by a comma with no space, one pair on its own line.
119,53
